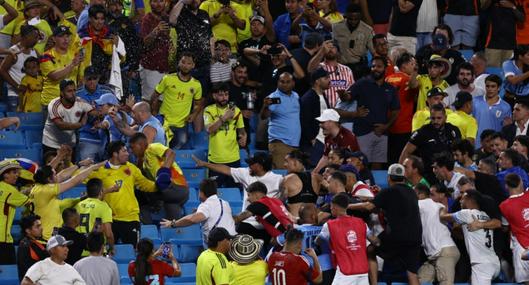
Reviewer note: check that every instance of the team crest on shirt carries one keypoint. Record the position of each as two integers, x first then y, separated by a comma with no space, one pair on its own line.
352,239
127,171
525,214
498,113
78,114
192,90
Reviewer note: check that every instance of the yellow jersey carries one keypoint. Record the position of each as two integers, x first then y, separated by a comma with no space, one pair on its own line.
213,268
467,125
19,6
52,61
225,28
223,146
30,100
425,85
10,198
422,117
89,210
178,98
123,203
45,33
253,273
333,17
49,207
246,11
153,159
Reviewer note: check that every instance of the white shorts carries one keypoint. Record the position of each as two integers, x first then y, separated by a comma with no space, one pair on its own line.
149,80
357,279
521,267
483,273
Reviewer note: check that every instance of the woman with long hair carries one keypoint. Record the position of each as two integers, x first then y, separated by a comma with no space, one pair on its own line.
146,269
516,72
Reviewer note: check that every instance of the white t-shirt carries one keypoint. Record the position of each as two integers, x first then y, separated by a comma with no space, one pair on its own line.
211,208
323,107
270,179
479,82
435,235
16,69
47,272
453,183
53,136
98,270
454,89
480,243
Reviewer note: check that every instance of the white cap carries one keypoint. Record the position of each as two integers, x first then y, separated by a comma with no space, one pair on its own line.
57,240
329,115
396,170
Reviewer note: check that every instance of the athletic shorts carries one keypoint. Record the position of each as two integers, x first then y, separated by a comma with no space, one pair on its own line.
357,279
406,256
521,267
483,273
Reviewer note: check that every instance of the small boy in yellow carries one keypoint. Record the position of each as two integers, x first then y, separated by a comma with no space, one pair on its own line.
31,87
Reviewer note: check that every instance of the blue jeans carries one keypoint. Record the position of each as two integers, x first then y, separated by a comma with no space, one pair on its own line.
90,150
12,103
180,137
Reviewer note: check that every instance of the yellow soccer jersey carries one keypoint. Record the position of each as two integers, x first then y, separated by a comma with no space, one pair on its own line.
178,98
425,85
30,101
223,145
10,198
90,209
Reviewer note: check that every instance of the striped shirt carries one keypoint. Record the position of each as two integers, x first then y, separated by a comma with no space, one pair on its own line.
221,72
341,79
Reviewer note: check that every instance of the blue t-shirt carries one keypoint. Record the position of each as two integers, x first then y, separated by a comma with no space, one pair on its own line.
160,132
285,124
489,117
520,89
88,133
282,28
115,133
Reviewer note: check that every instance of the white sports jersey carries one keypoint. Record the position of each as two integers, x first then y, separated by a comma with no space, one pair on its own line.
480,244
435,235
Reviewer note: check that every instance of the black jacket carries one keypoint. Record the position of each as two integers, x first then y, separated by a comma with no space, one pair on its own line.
309,111
29,252
509,133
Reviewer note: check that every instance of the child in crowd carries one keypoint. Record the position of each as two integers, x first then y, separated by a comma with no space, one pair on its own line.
31,87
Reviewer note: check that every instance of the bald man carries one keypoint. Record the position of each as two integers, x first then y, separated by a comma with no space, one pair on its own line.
146,122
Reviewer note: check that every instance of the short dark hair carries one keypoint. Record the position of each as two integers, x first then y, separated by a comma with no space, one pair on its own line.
339,176
299,156
464,146
444,159
68,213
417,163
404,58
113,147
224,43
94,186
466,66
523,140
312,40
341,200
96,9
137,137
490,163
438,108
293,235
380,58
65,83
494,78
422,189
378,36
257,187
30,60
498,135
512,180
514,156
26,30
486,134
187,54
353,8
95,241
208,187
27,222
441,188
43,174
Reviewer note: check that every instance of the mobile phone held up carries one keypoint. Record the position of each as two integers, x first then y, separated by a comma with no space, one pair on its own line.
166,249
275,101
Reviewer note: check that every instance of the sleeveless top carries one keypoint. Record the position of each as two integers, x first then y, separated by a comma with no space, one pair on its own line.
160,132
306,195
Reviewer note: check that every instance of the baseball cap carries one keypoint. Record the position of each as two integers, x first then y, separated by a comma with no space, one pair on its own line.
91,71
57,240
349,168
107,98
329,115
358,154
396,170
317,74
7,165
61,30
439,42
259,157
32,4
219,234
258,18
461,98
435,91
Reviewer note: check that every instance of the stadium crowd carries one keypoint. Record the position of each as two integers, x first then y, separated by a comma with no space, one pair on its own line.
366,141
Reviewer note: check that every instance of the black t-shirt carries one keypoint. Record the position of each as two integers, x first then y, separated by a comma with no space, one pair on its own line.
236,96
461,7
253,70
489,185
194,33
405,24
502,28
401,212
430,141
75,250
303,58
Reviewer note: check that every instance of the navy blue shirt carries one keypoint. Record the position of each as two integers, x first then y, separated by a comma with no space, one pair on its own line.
379,99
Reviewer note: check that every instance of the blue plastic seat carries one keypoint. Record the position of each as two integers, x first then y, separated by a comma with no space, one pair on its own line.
9,275
33,136
28,118
194,176
495,70
186,235
244,155
189,253
12,139
16,233
280,171
124,253
231,195
235,210
381,177
18,215
150,232
3,108
75,192
200,140
188,273
466,53
184,160
33,154
123,269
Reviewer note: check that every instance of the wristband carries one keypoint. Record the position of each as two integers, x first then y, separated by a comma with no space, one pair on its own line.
173,223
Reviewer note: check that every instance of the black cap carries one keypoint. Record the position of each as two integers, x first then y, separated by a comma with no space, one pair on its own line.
90,71
274,50
259,157
436,91
461,98
218,234
61,30
317,74
358,154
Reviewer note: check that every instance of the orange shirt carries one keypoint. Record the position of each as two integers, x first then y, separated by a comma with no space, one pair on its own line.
402,125
522,29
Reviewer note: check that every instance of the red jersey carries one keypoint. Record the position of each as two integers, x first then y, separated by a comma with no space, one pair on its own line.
159,270
344,139
348,244
285,268
515,209
279,212
400,81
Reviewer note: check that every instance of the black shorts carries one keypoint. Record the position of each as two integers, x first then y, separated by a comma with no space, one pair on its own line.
405,256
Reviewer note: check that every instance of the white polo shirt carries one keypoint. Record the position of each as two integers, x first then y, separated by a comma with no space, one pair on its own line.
435,235
213,208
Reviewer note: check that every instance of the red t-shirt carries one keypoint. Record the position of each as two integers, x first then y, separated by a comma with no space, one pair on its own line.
159,268
515,209
344,139
285,268
402,125
155,56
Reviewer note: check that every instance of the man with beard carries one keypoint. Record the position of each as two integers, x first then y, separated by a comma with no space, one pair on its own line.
259,169
435,137
465,79
32,247
240,92
462,117
380,44
262,34
438,68
520,117
224,123
180,91
66,114
381,99
340,75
